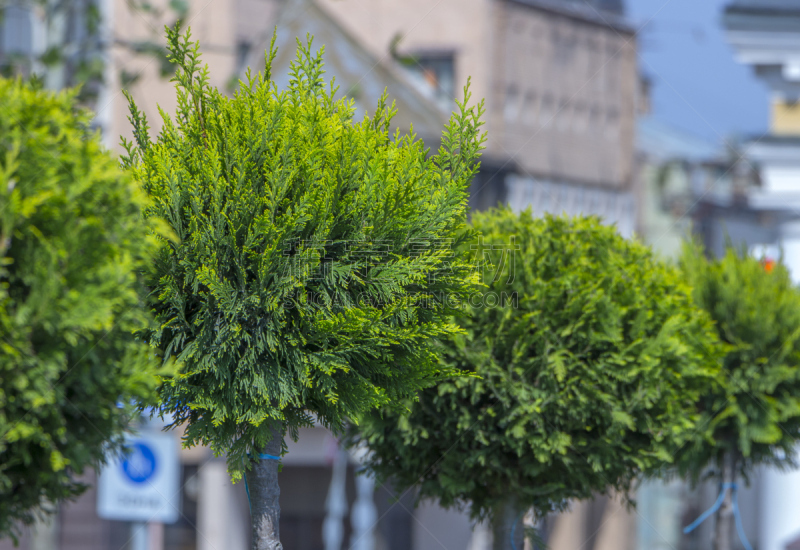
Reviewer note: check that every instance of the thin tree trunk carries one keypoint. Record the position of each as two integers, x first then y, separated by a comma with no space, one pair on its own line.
265,510
723,527
508,531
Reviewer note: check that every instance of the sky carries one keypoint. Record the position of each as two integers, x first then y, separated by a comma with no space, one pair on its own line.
697,85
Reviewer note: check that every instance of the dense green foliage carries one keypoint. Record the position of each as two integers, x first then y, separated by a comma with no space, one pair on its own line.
72,242
590,356
311,265
755,415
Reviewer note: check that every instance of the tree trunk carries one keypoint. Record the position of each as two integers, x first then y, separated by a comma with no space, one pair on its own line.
508,531
723,527
265,510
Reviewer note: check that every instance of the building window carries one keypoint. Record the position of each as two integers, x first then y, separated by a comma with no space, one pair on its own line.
547,112
16,30
435,72
513,104
243,49
16,38
581,117
530,109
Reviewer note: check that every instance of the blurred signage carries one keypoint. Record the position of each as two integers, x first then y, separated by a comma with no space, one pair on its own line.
143,483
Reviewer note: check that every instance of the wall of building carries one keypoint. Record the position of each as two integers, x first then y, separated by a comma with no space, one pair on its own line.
785,118
560,92
254,24
563,96
211,22
460,26
614,206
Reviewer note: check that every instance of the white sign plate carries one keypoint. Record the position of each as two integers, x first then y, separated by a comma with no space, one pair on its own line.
144,484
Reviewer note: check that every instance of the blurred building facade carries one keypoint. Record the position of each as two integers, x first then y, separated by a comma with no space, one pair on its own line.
746,193
765,34
675,168
686,188
560,82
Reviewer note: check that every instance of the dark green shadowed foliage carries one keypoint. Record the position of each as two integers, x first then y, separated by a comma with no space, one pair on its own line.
590,356
312,264
72,246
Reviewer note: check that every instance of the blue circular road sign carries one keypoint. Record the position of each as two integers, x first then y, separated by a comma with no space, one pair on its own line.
140,464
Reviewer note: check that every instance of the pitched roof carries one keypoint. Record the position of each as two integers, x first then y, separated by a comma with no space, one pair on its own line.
663,142
358,73
762,15
593,12
758,5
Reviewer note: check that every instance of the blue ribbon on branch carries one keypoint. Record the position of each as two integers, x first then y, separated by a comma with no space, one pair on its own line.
262,456
736,515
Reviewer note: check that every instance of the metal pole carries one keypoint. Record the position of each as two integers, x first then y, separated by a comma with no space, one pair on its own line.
139,535
336,504
155,535
364,515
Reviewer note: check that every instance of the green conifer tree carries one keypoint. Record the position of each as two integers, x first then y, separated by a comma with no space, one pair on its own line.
311,271
589,357
755,414
72,246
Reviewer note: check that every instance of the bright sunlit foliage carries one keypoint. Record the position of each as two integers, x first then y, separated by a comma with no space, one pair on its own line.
72,247
310,267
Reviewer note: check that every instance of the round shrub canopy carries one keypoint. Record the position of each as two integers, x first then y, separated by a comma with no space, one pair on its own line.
72,245
754,415
587,358
311,268
756,309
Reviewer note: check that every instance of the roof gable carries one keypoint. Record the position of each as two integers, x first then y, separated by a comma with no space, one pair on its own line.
358,73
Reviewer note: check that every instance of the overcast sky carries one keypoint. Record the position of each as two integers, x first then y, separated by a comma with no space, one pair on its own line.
697,85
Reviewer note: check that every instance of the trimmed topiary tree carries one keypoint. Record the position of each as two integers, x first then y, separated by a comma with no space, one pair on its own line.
588,356
72,246
755,414
312,267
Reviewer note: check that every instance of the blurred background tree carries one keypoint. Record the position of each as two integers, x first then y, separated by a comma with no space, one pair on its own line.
72,248
755,415
70,41
589,357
